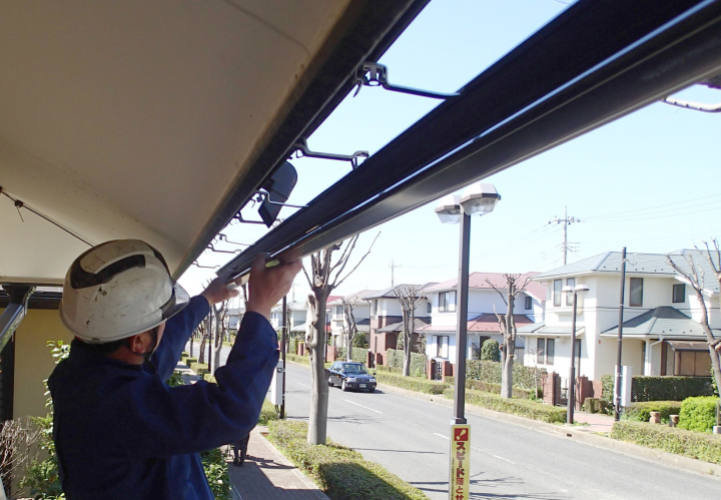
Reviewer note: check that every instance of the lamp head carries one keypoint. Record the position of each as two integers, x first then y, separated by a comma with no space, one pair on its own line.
479,199
449,209
581,289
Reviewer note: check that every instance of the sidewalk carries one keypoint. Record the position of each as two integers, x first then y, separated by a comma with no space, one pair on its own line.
596,422
268,475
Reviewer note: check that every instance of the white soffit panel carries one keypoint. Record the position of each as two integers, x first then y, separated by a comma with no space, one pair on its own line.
132,119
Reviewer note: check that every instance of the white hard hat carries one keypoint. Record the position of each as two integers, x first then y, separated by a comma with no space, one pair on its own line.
119,289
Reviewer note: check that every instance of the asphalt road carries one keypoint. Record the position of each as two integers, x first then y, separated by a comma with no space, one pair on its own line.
410,437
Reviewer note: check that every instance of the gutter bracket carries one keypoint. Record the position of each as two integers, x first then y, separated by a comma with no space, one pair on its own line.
301,150
372,74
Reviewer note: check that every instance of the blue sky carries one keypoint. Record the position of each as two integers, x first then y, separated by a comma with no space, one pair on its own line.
648,181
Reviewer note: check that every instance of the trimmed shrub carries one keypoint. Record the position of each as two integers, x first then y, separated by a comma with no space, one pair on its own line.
490,351
641,412
268,413
175,380
209,378
395,357
411,383
705,447
340,472
491,372
520,407
596,405
216,471
492,388
303,360
358,354
698,414
645,388
199,368
189,361
360,341
384,368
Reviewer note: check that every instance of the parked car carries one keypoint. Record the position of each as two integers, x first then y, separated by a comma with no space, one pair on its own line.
349,375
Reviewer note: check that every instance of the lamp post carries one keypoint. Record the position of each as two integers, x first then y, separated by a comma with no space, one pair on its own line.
572,378
477,199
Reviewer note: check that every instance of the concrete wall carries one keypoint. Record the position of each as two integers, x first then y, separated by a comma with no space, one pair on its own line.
33,361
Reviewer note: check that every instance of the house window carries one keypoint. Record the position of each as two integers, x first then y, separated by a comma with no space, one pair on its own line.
636,297
447,301
442,346
557,286
540,350
374,309
692,364
679,293
429,307
529,303
338,311
545,351
569,295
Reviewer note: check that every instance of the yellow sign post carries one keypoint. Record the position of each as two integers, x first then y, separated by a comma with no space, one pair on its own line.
460,462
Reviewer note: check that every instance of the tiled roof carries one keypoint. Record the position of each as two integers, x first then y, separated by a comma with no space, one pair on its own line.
666,322
478,280
482,323
637,263
355,298
542,330
419,326
389,293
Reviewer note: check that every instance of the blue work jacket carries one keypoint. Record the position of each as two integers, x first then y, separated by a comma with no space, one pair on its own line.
122,433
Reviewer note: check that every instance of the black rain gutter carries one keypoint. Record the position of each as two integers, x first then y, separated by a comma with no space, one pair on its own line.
595,62
365,31
14,311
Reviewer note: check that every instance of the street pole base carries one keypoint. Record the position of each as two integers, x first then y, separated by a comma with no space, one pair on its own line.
459,421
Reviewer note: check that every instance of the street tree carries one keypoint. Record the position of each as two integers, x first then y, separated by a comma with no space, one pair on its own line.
694,276
409,297
220,314
326,274
350,326
507,326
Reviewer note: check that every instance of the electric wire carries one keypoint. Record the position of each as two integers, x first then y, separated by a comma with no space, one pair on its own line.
20,204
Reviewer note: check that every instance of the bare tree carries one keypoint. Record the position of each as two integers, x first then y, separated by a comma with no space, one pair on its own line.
202,338
410,297
324,277
694,276
220,312
507,326
17,438
350,326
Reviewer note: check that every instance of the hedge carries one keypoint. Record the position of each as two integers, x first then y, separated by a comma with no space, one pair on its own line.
596,405
411,383
340,472
189,361
358,354
641,412
303,360
199,368
698,414
491,372
493,388
645,388
520,407
395,358
705,447
268,413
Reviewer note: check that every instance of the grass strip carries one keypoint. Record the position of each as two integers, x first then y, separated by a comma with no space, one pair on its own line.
340,472
521,407
698,445
411,383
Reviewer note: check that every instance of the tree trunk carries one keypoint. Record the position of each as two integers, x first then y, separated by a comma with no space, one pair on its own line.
407,355
715,363
218,341
318,418
509,348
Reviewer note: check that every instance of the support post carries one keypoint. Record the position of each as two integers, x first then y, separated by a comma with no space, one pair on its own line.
15,310
462,321
617,385
284,344
572,378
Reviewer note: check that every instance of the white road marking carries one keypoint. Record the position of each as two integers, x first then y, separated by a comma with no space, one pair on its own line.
479,450
303,385
371,409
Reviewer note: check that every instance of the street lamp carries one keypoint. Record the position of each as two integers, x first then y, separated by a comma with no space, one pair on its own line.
477,199
572,379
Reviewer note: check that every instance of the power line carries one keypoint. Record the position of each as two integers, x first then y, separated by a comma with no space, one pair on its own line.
566,221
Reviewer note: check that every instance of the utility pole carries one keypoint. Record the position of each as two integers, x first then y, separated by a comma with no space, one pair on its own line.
617,386
393,266
566,221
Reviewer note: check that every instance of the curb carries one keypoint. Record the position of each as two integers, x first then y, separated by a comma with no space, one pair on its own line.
260,432
581,436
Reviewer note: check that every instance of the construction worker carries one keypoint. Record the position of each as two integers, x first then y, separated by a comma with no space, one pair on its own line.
120,431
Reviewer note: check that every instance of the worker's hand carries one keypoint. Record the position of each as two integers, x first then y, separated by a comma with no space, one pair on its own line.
268,285
218,292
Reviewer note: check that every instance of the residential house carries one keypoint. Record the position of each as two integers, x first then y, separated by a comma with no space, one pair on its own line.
361,313
297,316
661,330
483,303
386,318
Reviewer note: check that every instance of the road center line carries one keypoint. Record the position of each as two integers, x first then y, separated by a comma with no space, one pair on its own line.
441,435
371,409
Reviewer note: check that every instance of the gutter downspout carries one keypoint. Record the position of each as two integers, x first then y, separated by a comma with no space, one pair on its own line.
649,347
